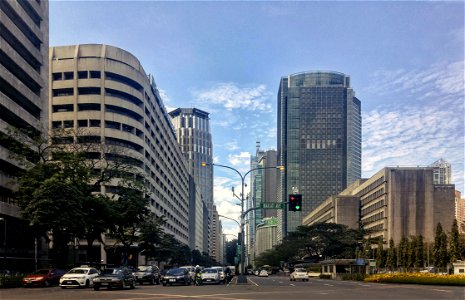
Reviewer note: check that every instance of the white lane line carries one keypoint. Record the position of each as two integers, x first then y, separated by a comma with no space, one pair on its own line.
440,290
327,284
292,284
252,281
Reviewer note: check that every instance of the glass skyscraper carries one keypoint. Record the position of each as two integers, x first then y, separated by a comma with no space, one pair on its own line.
319,140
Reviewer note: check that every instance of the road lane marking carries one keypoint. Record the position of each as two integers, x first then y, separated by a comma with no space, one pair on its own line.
440,290
327,284
252,281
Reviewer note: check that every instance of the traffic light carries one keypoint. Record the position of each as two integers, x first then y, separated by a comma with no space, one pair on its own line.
295,202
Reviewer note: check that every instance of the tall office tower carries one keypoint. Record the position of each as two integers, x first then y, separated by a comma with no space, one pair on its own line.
23,104
460,211
319,140
193,133
104,92
441,172
262,189
216,242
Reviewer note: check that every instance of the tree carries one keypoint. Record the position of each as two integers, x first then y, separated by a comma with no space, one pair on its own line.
419,252
440,248
391,261
380,254
151,233
454,246
411,244
402,256
129,211
231,248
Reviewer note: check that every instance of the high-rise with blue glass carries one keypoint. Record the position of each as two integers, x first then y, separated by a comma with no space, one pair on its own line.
319,140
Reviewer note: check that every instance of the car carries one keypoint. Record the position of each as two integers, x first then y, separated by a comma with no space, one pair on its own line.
222,274
79,277
150,274
177,276
43,277
191,270
211,275
115,277
299,273
263,273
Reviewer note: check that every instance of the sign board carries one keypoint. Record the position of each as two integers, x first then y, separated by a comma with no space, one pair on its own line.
271,205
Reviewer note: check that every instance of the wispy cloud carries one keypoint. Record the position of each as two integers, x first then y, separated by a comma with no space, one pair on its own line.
231,96
240,160
423,126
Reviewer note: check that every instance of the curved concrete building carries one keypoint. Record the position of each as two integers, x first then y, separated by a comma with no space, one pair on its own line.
104,91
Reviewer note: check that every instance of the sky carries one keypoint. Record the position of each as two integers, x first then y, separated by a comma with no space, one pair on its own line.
405,60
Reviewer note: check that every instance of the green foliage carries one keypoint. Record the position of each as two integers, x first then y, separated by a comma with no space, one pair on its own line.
354,276
391,261
315,242
380,254
454,246
10,281
440,255
419,252
325,276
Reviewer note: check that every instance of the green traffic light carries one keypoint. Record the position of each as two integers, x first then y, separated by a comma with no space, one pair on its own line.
297,207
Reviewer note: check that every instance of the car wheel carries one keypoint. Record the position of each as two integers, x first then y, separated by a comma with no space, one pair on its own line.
141,282
157,281
133,285
96,288
87,283
63,287
152,281
46,283
123,285
164,284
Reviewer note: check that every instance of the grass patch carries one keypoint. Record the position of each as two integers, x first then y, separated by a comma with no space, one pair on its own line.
418,278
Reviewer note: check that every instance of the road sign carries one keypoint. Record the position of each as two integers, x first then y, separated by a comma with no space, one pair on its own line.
271,205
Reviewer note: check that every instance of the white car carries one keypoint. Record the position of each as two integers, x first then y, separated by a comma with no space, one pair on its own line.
221,270
263,273
299,274
79,277
211,275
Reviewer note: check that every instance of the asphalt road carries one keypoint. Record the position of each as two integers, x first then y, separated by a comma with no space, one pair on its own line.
273,287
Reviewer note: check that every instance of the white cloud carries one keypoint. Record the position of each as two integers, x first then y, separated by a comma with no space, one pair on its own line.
240,160
231,97
412,132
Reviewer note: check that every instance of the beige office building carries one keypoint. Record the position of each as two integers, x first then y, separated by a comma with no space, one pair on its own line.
104,92
393,203
265,236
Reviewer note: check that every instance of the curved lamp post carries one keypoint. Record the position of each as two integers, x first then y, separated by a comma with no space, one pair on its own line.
242,278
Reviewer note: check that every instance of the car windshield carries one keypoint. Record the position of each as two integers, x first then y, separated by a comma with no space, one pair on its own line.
300,270
209,271
41,272
109,271
78,271
143,268
175,272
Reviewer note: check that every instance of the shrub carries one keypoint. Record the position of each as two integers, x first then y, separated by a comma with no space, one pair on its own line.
354,276
10,281
418,278
325,276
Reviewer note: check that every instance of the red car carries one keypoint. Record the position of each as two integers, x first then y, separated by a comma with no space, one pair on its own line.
43,277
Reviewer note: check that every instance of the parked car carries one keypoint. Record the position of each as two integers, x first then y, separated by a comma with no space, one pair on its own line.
43,277
222,274
115,277
299,274
177,276
150,274
263,273
79,277
191,270
211,275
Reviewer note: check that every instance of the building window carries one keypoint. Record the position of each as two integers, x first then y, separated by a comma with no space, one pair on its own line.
57,76
88,106
94,74
68,124
62,92
83,74
68,75
62,108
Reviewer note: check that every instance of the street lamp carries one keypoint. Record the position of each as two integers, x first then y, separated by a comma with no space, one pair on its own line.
4,244
242,278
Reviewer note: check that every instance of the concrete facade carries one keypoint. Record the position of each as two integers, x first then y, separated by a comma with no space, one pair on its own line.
105,92
23,84
266,235
393,203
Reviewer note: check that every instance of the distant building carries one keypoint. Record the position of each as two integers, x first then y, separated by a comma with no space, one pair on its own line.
442,172
266,237
263,188
194,136
460,211
393,203
217,234
319,140
105,92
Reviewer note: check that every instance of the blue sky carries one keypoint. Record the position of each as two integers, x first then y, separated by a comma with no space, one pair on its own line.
405,59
